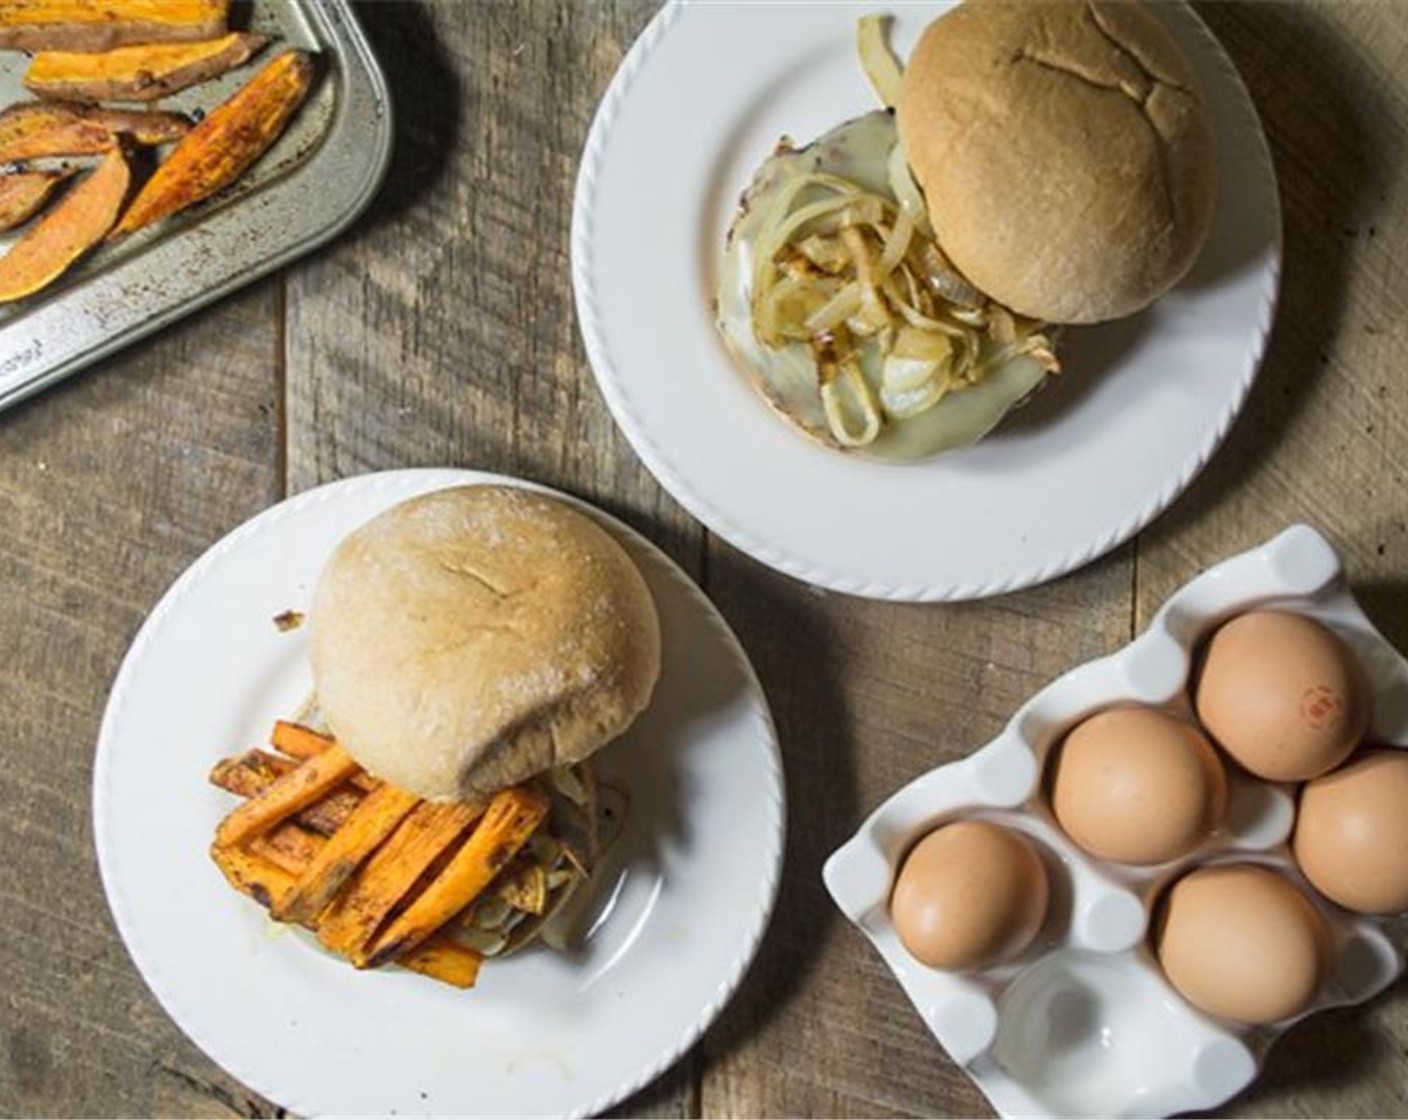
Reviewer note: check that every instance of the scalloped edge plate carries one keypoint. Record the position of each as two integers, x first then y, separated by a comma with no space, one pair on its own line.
682,907
1142,407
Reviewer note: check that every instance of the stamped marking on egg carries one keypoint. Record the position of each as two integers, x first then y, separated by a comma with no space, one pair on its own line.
1320,707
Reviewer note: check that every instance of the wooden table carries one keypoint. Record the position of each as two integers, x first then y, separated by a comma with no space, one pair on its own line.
440,331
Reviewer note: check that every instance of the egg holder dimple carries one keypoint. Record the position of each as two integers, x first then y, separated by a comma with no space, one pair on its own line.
1083,1022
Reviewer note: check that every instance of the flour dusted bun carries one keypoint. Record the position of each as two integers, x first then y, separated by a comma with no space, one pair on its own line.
473,637
1064,151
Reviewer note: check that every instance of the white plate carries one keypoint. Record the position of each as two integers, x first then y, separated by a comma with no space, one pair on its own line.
701,99
542,1033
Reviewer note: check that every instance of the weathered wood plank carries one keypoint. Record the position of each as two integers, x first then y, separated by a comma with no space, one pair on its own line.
109,486
1322,436
442,331
1325,434
866,697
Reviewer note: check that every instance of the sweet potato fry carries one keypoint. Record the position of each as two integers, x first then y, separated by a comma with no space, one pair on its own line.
37,131
292,846
296,790
444,960
68,231
297,741
511,818
337,860
522,884
353,919
255,771
252,874
100,25
41,129
218,150
141,73
289,846
24,193
249,773
265,882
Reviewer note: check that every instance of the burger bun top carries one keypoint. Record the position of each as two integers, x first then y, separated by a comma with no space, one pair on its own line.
468,639
1065,153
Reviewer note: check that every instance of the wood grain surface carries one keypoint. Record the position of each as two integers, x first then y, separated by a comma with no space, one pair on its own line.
440,331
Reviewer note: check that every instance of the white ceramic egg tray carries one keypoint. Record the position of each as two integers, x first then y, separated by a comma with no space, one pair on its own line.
1084,1023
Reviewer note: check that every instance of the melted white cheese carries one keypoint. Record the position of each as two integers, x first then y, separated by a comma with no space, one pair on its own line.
858,150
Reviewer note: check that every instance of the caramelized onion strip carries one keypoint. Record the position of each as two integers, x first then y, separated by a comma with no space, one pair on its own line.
880,64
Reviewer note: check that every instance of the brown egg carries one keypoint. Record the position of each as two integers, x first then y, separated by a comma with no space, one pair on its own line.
968,895
1136,785
1282,694
1242,942
1351,836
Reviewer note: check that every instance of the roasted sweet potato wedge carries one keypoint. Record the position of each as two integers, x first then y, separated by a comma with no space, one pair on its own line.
39,129
100,25
217,151
24,193
68,231
300,787
511,818
142,73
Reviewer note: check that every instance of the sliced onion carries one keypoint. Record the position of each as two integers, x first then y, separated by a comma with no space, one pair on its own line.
907,191
905,404
491,913
879,62
965,361
926,346
1001,325
897,243
569,784
945,280
973,316
824,252
771,237
846,390
768,243
885,338
835,311
845,270
481,941
1046,357
913,316
903,375
790,304
868,321
843,211
873,308
559,879
916,373
1036,347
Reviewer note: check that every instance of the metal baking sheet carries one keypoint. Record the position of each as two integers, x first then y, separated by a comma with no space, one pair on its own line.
306,189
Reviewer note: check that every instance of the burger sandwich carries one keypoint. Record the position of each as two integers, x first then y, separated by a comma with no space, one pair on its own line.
471,650
896,286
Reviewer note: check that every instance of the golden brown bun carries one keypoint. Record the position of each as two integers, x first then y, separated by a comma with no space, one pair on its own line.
471,638
1064,151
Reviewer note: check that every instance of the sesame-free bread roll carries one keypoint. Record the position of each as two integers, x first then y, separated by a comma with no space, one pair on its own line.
1065,153
468,639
